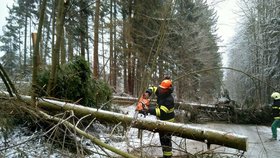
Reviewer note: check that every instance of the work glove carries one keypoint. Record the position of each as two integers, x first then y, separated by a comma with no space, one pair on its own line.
144,112
146,95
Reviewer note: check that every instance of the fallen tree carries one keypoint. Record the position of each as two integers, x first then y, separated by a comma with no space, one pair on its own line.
85,134
22,107
207,136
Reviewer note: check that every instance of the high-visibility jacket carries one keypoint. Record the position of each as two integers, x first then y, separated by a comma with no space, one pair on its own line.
164,109
276,109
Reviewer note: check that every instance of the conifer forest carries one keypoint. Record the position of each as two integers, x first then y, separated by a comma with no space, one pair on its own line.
62,59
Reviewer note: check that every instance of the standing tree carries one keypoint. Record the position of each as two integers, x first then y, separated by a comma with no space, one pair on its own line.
11,42
96,32
36,49
55,54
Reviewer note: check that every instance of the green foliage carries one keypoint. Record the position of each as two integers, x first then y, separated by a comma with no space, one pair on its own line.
74,83
254,116
102,93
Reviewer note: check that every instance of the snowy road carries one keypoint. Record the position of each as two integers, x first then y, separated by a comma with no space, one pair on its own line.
258,144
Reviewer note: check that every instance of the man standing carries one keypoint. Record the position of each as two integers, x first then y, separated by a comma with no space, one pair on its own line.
276,114
164,110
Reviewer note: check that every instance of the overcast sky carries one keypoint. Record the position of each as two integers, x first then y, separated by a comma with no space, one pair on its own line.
227,20
4,12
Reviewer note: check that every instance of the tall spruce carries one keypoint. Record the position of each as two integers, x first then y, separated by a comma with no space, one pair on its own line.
56,51
37,41
96,36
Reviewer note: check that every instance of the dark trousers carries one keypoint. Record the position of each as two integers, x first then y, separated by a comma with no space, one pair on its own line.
165,141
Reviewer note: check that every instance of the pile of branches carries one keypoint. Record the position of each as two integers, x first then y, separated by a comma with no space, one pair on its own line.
60,127
259,116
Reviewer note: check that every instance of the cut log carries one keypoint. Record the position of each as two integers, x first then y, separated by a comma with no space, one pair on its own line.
207,136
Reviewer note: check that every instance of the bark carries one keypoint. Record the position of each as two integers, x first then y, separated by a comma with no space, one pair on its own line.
45,54
177,129
35,62
36,39
62,48
8,83
56,50
83,22
25,41
70,44
4,78
111,45
95,52
115,70
129,52
129,49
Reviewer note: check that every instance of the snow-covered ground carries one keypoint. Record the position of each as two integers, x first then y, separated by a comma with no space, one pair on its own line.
258,146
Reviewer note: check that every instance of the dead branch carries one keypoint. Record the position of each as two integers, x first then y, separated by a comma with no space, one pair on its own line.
83,133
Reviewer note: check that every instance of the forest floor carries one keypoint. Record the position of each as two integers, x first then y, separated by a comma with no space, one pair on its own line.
24,144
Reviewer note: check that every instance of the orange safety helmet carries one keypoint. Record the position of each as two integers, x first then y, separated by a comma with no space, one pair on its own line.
166,84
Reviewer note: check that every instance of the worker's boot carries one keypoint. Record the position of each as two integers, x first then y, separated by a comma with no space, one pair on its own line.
165,157
272,139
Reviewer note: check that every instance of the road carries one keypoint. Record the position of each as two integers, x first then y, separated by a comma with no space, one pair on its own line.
258,144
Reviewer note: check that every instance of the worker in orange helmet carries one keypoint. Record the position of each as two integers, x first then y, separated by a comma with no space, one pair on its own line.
164,110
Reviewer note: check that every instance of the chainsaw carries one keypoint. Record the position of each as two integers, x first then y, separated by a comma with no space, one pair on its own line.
142,105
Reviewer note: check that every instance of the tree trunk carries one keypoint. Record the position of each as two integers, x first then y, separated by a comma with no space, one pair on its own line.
124,50
36,39
129,52
115,52
111,46
83,22
87,42
70,44
62,49
56,50
47,41
25,42
95,53
177,129
53,21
